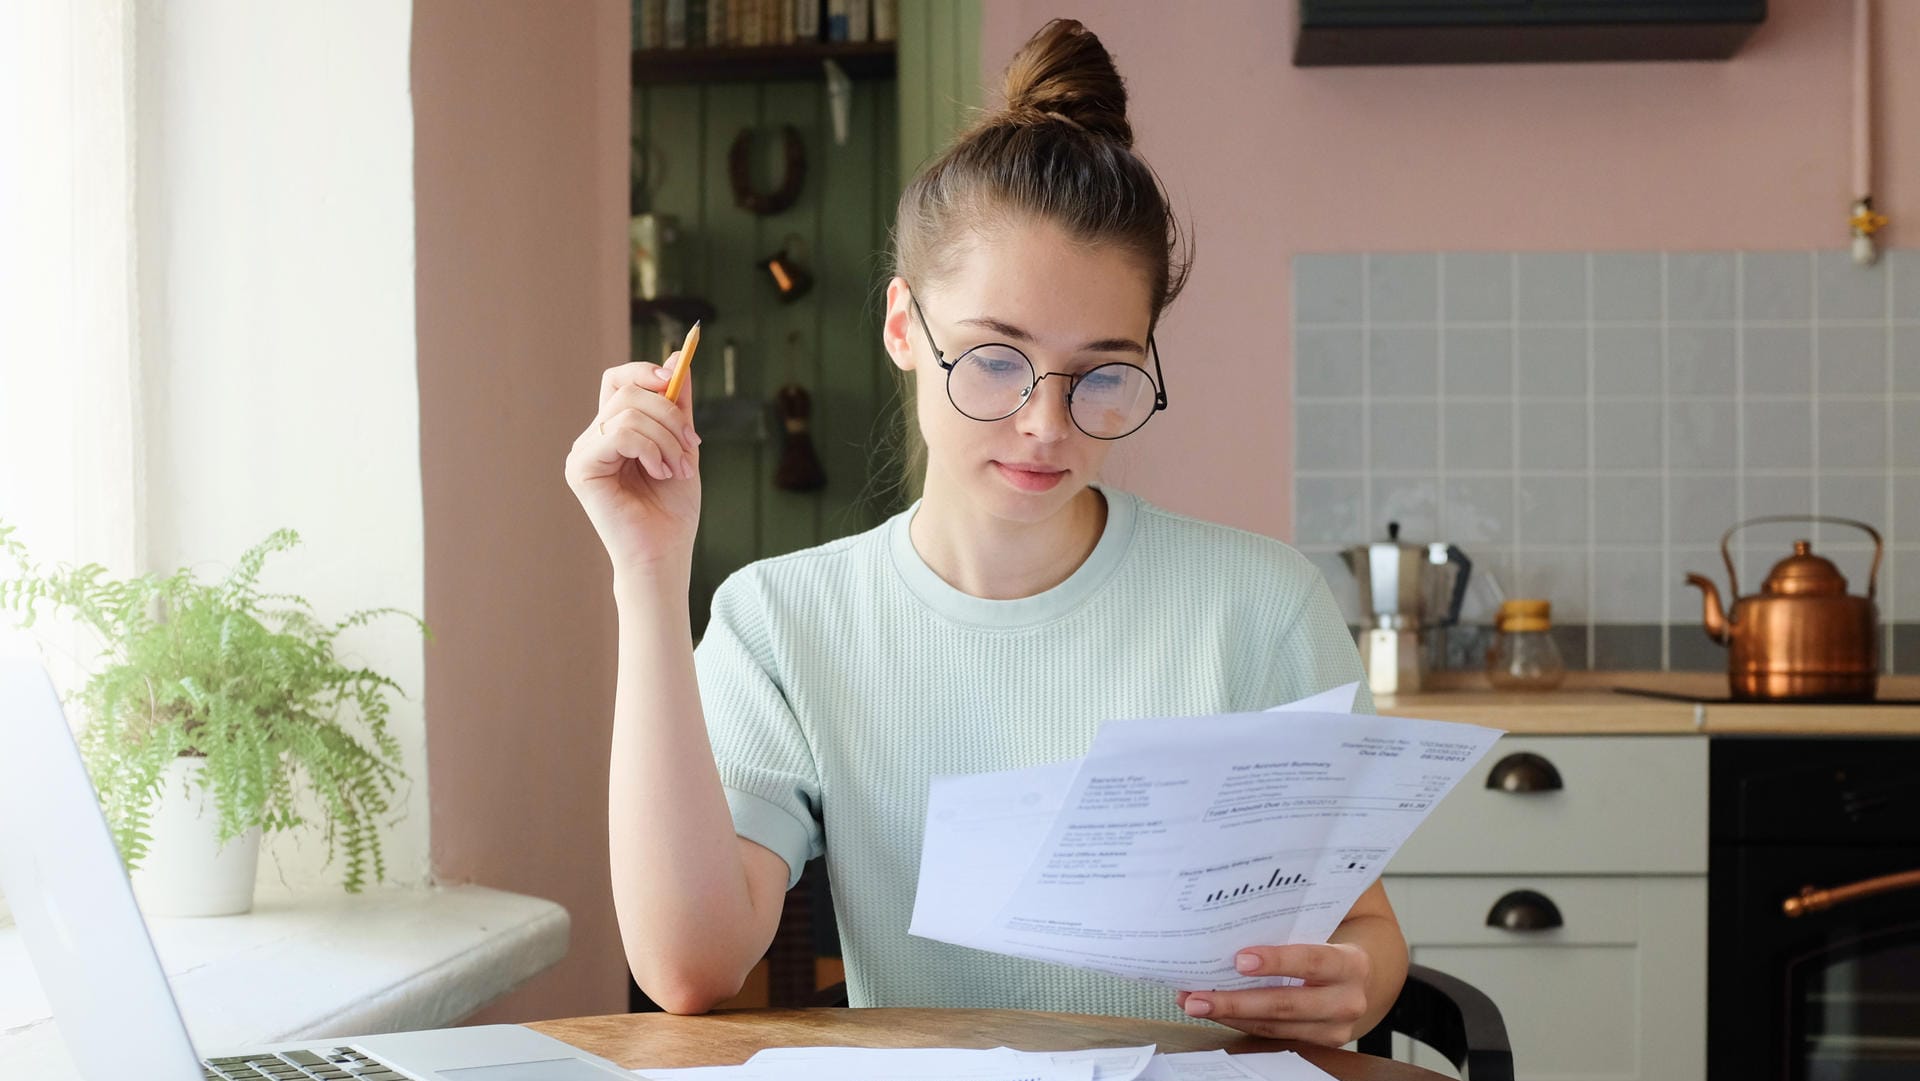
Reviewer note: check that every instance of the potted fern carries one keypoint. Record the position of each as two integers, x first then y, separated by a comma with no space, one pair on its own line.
214,712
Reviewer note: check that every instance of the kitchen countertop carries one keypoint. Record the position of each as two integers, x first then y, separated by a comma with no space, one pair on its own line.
1587,705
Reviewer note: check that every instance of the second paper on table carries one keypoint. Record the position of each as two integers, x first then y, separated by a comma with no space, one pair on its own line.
1177,842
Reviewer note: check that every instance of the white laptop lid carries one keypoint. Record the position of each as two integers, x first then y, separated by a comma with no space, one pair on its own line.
61,874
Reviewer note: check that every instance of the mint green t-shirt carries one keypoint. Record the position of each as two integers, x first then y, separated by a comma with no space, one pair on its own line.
837,681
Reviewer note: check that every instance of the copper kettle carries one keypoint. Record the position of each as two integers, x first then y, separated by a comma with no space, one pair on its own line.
1803,636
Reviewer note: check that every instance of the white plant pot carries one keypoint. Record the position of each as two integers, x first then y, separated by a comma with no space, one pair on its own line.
187,872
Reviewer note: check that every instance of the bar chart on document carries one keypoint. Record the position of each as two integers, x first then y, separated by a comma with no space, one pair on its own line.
1223,885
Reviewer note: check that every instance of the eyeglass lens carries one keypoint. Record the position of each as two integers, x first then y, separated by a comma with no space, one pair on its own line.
992,382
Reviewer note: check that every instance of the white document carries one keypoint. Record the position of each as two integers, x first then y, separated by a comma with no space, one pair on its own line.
1220,1066
1178,842
922,1064
990,826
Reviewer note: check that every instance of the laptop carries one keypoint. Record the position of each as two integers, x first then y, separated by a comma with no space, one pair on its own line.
62,876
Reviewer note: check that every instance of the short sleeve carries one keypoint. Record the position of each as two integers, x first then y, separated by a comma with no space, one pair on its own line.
766,762
1320,635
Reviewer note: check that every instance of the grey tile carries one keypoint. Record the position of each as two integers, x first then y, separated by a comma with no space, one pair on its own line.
1700,286
1690,650
1906,514
1905,591
1626,361
1558,577
1553,509
1329,436
1553,287
1414,502
1861,498
1403,363
1700,507
1479,435
1906,435
1628,435
1776,285
1702,434
1626,287
1553,435
1776,495
1700,360
1553,362
1627,586
1777,435
1572,639
1478,510
1626,509
1906,357
1327,289
1906,649
1477,287
1403,288
1406,435
1846,290
1779,360
1328,363
1626,647
1853,360
1853,435
1328,510
1346,593
1904,265
1479,361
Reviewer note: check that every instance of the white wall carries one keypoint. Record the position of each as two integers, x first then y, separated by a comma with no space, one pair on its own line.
275,202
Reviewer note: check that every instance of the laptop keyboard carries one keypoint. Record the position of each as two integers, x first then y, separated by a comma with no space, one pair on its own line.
338,1064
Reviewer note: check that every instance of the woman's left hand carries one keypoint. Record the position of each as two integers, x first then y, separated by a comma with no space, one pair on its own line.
1325,1010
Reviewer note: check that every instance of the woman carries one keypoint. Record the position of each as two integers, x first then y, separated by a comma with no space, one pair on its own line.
993,625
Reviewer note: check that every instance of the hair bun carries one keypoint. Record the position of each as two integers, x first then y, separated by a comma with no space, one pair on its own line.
1064,75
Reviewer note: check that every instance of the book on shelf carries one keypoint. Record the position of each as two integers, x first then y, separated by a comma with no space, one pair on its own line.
806,24
886,20
837,16
683,24
859,20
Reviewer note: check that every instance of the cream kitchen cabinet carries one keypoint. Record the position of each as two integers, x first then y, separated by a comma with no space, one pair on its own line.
1573,891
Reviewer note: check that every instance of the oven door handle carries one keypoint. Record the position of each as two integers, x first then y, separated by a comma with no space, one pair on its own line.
1815,900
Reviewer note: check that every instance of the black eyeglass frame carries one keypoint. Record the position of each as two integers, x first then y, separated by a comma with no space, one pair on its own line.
1034,377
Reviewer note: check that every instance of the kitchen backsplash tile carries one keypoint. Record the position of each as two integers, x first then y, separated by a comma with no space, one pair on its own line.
1587,426
1479,287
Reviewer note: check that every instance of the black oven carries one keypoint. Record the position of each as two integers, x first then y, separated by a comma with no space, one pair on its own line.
1813,900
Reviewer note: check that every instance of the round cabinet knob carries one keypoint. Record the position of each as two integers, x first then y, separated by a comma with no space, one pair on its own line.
1525,910
1524,771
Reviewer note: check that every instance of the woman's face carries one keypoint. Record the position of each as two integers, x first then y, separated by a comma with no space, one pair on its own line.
1069,308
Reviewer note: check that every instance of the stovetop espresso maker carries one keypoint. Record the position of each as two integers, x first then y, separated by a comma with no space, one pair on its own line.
1405,590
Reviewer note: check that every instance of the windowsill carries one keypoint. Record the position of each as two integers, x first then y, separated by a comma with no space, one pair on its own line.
314,966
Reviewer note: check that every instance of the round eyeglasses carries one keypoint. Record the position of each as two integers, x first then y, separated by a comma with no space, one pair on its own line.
991,382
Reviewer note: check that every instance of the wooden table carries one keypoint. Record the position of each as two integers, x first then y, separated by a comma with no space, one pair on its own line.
730,1037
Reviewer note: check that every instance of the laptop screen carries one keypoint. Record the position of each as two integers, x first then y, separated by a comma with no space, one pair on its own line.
71,899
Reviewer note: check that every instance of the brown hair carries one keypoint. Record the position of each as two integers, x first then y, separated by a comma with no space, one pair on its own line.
1060,150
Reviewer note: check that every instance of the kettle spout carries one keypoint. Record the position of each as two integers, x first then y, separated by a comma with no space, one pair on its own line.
1716,620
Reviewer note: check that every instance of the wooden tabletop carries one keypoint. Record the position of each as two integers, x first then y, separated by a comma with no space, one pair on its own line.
729,1037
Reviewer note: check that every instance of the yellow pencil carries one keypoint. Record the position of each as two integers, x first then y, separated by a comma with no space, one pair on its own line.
686,361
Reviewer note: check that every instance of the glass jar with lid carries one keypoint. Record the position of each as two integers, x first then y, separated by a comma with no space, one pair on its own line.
1523,656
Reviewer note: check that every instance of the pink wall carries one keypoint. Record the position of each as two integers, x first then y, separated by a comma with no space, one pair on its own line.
520,114
1268,160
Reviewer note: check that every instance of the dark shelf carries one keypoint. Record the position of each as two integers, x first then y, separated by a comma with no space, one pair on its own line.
684,309
860,60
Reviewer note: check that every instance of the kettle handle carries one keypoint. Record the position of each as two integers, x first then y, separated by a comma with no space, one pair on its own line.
1733,577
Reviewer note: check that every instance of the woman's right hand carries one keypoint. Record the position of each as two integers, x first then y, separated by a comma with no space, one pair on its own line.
636,470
